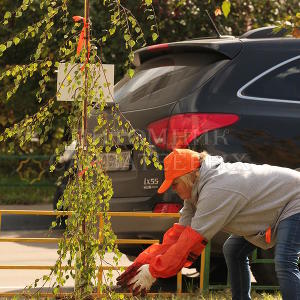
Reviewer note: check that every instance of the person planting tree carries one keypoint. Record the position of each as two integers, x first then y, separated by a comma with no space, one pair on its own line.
259,205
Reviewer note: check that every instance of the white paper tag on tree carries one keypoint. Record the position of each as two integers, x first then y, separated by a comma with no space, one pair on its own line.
71,81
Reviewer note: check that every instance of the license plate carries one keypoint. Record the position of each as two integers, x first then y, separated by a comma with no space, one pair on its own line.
116,162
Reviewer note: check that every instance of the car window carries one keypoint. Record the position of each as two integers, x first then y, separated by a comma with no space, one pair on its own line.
282,83
141,78
164,79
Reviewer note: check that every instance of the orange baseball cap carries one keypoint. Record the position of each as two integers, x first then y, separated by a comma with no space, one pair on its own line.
179,162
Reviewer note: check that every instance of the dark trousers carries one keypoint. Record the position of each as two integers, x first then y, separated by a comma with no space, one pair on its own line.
236,251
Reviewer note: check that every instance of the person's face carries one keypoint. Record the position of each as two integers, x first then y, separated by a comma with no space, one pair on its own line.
181,189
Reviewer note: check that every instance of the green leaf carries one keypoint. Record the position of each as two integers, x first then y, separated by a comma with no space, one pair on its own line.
130,73
126,37
135,145
112,30
118,150
8,95
16,40
131,43
151,17
298,15
7,15
8,44
154,36
148,2
226,8
55,291
2,48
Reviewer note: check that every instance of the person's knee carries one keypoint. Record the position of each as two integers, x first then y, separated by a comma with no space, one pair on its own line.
227,249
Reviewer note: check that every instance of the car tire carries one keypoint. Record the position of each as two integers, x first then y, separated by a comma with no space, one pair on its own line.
217,270
264,273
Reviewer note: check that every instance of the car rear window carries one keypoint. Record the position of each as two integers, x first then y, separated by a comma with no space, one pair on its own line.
282,83
166,79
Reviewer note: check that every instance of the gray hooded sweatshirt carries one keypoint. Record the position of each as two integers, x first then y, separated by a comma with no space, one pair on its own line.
241,199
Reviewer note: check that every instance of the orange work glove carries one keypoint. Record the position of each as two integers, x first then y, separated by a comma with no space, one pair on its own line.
194,254
170,237
171,261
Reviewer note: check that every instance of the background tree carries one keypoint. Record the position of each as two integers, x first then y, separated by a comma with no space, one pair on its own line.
177,20
53,33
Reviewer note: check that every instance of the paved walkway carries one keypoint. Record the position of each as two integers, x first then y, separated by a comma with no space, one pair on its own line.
36,254
32,254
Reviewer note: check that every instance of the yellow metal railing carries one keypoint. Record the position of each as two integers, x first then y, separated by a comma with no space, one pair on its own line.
56,240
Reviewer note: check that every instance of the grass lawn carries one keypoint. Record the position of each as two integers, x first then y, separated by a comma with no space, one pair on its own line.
26,180
222,295
26,195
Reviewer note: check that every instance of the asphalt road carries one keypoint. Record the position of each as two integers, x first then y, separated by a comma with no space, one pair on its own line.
37,254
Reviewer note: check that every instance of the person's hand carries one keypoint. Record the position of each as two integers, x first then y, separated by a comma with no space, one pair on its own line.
128,274
142,281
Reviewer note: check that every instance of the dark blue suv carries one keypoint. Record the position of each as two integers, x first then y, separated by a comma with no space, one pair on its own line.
238,97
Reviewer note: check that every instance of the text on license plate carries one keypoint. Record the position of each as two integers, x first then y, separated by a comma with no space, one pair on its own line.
116,162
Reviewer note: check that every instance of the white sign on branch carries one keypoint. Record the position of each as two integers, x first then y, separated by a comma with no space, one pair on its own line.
70,81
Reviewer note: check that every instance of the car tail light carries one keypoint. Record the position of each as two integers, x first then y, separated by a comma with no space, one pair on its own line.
180,130
167,208
158,47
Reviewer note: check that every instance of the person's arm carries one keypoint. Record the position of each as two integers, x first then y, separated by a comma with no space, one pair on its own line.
215,209
172,261
187,213
170,237
167,264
